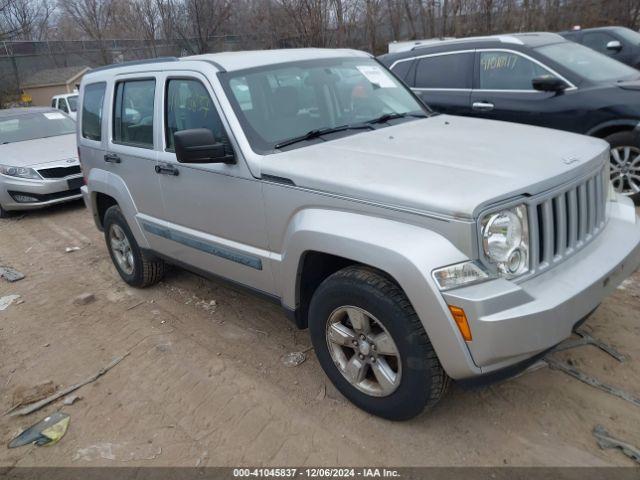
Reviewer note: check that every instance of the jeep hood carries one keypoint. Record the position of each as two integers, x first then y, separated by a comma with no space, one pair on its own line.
453,166
39,151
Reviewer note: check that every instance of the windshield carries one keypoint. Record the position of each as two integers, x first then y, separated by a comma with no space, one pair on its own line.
73,103
588,63
629,35
30,126
281,102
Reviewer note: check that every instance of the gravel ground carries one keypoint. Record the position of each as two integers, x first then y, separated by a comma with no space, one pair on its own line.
205,384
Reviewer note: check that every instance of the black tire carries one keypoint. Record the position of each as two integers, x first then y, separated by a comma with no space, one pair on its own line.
626,139
147,270
4,213
423,381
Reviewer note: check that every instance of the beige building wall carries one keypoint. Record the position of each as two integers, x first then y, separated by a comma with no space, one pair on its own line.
41,96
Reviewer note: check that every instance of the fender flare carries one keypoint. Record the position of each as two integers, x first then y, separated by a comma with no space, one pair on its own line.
634,124
406,252
105,182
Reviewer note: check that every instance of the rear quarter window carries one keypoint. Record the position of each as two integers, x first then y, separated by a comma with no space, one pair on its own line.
401,69
92,106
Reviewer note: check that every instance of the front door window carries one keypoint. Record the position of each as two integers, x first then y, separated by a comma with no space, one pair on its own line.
508,71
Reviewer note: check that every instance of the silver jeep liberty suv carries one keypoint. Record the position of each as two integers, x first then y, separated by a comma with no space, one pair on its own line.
417,248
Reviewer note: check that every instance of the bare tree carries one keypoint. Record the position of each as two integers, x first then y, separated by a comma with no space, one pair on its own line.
310,19
140,19
372,14
338,6
24,19
193,23
197,26
94,18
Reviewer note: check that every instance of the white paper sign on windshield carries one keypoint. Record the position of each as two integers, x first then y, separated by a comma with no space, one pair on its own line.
54,116
376,75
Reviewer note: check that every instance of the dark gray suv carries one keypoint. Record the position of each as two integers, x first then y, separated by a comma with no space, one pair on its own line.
619,43
534,78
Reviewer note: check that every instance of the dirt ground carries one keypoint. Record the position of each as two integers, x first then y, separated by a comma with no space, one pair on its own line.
205,385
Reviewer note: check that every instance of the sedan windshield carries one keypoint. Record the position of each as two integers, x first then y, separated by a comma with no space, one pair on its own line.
31,126
295,104
587,63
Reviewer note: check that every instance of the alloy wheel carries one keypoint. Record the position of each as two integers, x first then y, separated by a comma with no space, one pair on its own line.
121,249
363,351
625,169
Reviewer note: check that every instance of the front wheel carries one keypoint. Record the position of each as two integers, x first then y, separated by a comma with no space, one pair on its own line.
4,213
625,164
372,346
135,268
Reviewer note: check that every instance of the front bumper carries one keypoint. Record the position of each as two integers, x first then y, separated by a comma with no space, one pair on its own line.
512,322
44,192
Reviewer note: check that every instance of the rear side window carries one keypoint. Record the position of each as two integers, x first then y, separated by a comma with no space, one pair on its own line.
445,71
189,106
92,111
133,113
508,71
401,69
53,103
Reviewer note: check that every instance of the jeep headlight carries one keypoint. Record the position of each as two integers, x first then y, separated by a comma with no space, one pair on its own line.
505,240
20,172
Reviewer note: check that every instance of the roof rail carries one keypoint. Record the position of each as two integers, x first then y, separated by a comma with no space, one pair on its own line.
499,38
133,63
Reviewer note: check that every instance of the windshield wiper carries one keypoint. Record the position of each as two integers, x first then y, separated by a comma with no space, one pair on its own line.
320,132
392,116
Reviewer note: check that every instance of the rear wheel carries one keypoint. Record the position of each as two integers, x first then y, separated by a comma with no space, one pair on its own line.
625,164
372,346
135,267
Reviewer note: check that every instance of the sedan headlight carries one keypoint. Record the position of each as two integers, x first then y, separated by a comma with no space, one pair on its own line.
21,172
505,240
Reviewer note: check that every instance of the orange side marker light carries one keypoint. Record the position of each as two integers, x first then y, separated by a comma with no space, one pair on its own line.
461,320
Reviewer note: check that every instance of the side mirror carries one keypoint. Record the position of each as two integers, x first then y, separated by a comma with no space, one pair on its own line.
198,145
614,46
549,83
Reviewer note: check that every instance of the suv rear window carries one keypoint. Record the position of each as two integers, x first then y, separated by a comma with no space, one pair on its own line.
133,113
92,111
445,71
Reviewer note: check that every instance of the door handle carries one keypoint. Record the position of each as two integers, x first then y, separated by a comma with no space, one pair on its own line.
167,170
112,158
483,106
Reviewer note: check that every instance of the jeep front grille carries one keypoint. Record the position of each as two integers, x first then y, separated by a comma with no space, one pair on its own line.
567,221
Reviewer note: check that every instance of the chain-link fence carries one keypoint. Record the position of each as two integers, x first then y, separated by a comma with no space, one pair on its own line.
21,59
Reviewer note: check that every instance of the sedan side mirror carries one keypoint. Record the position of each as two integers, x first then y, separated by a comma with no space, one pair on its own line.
614,46
549,83
198,145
